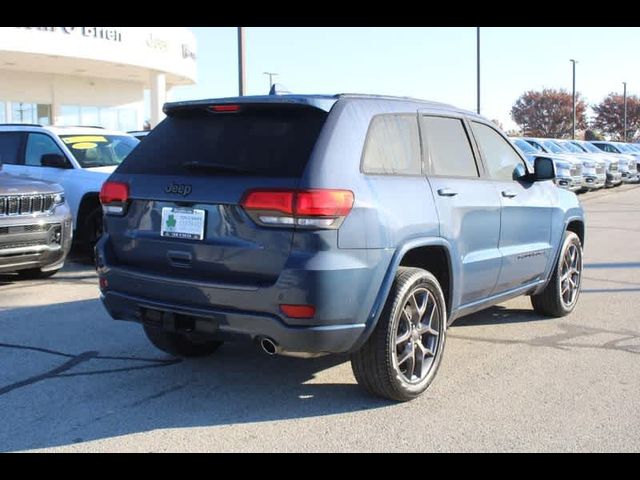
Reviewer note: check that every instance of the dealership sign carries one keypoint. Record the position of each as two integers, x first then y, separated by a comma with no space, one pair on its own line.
103,33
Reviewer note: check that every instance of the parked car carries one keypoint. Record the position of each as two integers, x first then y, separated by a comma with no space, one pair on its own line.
332,224
598,177
78,158
612,162
629,149
628,163
35,224
568,174
591,179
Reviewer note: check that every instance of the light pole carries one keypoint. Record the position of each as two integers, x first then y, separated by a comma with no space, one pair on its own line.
478,66
573,128
271,75
624,137
241,71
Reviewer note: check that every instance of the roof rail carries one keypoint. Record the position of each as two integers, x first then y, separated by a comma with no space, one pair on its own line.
20,125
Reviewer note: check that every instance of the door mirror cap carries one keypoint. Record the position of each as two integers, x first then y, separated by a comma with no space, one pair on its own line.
544,169
54,160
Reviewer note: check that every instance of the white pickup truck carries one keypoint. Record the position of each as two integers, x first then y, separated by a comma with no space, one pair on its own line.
78,158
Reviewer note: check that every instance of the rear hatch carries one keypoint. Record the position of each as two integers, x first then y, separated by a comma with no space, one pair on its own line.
186,182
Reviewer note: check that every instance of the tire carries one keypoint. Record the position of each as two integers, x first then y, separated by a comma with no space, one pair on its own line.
178,344
554,300
93,231
378,365
36,273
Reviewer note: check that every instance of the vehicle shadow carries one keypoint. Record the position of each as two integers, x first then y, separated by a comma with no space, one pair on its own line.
91,378
499,314
612,265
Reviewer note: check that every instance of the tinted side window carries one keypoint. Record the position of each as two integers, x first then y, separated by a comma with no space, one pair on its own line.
448,149
499,155
393,146
10,147
38,145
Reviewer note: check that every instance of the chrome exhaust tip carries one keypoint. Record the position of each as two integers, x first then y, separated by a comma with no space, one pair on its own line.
268,346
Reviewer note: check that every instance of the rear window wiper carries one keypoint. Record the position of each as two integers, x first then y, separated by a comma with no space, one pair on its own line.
195,165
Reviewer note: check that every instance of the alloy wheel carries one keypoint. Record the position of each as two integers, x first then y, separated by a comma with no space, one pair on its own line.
416,336
570,275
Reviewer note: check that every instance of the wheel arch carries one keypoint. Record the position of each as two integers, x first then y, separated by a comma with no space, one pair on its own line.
575,224
428,253
89,202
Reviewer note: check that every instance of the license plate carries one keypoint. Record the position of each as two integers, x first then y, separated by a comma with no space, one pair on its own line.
182,223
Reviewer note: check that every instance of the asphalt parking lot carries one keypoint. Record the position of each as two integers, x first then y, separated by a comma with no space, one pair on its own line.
74,380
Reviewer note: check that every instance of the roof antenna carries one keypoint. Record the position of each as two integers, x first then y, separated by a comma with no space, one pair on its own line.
278,89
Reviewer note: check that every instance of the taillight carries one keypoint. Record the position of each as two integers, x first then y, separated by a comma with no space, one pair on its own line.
321,208
114,197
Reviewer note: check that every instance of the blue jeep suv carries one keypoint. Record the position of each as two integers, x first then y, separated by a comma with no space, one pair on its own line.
318,224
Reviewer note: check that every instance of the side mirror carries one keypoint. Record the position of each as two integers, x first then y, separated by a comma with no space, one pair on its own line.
54,160
544,169
520,172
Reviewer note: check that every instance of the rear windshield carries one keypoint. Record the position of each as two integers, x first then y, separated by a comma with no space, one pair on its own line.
257,140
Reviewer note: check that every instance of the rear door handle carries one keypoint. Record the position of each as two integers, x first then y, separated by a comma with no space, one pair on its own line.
509,194
447,192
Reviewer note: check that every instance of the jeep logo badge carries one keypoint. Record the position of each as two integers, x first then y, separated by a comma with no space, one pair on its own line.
180,189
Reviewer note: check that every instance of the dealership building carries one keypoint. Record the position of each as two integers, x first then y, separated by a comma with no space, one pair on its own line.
92,75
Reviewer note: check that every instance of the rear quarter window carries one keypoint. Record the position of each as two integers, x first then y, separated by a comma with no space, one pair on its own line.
392,146
262,140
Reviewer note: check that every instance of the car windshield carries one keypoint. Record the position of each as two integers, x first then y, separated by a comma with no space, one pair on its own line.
624,148
590,147
553,147
525,147
634,147
613,148
99,150
579,146
571,147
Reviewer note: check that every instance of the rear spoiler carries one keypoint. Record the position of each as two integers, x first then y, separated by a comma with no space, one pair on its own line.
321,102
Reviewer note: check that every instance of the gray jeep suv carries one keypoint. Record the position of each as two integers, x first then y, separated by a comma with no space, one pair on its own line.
35,226
332,224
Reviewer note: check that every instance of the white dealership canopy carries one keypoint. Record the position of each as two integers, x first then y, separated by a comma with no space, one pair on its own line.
91,75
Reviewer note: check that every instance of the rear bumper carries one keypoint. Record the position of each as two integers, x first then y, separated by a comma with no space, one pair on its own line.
313,339
341,284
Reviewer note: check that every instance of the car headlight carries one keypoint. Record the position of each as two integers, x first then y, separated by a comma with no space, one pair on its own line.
588,164
58,198
563,166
